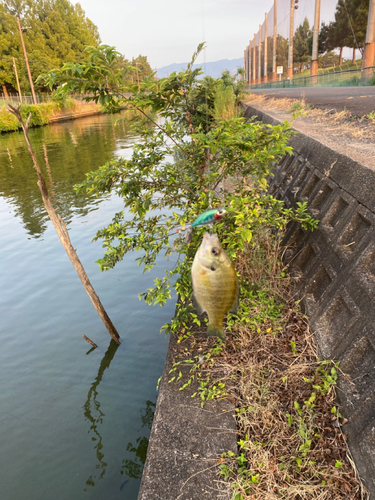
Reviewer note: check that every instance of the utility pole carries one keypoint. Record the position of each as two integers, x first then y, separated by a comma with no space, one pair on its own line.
18,83
369,52
136,65
274,73
254,73
245,65
265,79
27,61
314,58
249,63
259,55
291,35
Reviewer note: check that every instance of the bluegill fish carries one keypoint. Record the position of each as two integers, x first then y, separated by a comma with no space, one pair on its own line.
215,284
209,216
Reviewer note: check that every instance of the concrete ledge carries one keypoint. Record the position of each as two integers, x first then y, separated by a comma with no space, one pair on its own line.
336,267
186,442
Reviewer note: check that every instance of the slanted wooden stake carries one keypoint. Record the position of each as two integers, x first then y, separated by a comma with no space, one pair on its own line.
62,231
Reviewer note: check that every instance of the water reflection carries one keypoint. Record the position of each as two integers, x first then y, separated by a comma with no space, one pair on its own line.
95,415
131,468
74,148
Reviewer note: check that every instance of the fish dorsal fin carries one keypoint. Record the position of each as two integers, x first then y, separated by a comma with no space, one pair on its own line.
197,306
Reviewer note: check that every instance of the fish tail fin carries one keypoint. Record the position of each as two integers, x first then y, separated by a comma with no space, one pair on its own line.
216,331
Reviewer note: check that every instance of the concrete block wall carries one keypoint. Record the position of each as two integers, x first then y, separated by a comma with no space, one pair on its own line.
336,267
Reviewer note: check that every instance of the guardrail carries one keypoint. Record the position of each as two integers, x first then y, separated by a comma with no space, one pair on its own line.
351,77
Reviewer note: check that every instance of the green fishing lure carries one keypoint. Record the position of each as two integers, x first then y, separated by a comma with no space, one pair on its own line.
209,216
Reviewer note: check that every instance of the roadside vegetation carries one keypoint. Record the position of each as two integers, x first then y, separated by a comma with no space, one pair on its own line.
195,152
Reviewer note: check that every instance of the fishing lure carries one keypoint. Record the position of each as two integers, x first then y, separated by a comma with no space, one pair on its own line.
209,216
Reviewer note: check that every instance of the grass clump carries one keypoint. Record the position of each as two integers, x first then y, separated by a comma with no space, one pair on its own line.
225,104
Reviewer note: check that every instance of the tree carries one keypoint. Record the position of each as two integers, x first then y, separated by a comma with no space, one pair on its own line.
349,27
301,46
282,52
58,31
177,171
328,60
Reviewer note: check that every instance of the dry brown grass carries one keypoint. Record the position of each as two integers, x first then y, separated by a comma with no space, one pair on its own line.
340,124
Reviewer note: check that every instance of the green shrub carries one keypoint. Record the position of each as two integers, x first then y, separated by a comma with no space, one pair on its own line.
8,122
40,115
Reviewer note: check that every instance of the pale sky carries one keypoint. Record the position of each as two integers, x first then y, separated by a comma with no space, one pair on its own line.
168,31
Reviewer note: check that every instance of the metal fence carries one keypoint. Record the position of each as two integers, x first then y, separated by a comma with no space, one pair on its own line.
350,77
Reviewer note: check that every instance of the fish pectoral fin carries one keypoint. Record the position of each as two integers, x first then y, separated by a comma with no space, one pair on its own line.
236,303
215,331
197,306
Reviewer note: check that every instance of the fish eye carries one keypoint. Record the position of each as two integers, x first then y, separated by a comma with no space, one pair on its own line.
215,251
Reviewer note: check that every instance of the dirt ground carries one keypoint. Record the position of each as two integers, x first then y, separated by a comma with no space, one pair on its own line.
341,131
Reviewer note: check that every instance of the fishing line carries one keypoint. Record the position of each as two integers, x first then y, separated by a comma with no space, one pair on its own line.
208,161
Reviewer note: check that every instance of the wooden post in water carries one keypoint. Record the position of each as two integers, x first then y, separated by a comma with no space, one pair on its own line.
62,232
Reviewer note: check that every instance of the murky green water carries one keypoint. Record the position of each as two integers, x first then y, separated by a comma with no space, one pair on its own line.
74,424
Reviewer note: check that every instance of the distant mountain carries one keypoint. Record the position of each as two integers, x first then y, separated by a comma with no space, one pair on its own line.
213,69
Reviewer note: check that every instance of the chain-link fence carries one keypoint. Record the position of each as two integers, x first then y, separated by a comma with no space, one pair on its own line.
350,77
282,47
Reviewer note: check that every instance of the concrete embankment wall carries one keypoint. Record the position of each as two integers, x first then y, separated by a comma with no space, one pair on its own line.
186,441
336,269
78,114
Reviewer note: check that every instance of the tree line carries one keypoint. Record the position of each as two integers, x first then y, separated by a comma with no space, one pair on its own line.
54,31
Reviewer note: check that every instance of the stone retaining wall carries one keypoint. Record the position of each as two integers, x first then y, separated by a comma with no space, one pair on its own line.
336,266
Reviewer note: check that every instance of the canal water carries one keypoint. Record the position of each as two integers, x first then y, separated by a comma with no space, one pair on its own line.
74,422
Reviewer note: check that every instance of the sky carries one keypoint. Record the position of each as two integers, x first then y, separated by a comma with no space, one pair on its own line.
168,31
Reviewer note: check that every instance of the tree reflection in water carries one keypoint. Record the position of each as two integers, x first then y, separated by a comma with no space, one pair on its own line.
93,404
133,468
130,468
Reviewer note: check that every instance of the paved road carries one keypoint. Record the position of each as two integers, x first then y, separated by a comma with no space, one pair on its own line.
358,100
